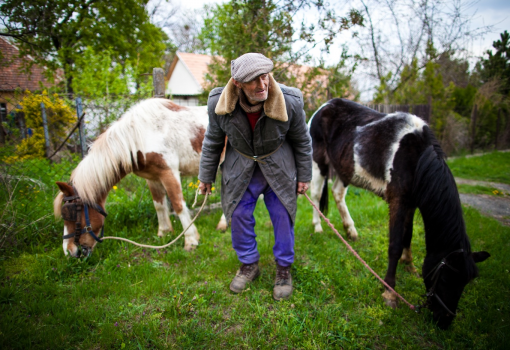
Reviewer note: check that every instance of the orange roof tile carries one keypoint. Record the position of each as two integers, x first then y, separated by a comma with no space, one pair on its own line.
12,73
198,65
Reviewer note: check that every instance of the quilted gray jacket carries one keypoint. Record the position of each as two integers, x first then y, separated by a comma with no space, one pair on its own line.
291,162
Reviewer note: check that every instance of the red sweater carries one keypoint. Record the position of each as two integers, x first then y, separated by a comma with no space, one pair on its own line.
253,117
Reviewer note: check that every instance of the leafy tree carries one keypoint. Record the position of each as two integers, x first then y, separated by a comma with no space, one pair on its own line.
56,33
60,116
399,32
497,65
267,26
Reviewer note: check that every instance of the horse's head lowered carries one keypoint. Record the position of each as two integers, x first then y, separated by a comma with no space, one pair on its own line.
445,281
83,222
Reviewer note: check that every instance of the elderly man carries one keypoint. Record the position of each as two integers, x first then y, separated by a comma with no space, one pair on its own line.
268,152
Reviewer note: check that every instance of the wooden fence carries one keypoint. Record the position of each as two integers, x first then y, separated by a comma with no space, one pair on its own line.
422,111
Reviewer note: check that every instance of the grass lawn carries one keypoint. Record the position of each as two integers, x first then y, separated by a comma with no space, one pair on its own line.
126,297
493,167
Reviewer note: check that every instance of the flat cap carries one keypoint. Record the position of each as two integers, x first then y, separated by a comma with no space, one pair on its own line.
249,66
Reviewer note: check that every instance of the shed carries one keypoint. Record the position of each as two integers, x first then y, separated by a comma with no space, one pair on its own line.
186,78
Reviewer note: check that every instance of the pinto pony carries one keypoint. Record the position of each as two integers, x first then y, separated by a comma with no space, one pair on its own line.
397,157
156,139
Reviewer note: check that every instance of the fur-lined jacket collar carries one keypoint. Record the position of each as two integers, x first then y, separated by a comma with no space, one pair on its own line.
274,106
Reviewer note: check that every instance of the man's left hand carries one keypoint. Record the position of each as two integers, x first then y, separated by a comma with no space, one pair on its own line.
302,187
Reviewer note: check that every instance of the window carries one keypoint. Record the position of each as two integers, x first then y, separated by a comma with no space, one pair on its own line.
3,112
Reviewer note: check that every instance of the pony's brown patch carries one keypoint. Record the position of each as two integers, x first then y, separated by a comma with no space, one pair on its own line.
198,139
173,189
157,191
154,167
174,107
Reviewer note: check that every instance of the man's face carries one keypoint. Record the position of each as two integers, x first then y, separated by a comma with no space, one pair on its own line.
255,90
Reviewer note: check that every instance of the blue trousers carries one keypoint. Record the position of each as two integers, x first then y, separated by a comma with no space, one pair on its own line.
243,224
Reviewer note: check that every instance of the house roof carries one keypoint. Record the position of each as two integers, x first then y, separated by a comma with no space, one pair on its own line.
12,70
195,63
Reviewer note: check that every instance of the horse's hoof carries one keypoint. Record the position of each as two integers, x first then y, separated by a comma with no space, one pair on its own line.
411,269
352,234
390,299
318,229
353,238
391,303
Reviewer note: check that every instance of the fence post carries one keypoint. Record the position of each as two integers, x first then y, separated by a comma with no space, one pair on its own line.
46,133
20,118
473,128
79,112
498,122
158,80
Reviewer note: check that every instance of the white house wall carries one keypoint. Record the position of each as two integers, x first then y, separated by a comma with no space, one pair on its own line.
182,82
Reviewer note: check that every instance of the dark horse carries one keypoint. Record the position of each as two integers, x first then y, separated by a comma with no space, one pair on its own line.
397,157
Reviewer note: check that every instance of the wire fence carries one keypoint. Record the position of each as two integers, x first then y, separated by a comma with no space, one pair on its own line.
43,137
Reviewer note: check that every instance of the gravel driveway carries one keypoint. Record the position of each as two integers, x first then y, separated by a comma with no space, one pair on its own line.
495,207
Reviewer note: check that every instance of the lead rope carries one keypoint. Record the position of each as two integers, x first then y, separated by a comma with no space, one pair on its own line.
168,244
411,306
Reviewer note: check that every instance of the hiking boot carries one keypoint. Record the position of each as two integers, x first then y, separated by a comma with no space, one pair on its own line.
246,273
283,283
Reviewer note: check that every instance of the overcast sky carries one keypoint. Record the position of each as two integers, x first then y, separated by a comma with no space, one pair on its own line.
488,12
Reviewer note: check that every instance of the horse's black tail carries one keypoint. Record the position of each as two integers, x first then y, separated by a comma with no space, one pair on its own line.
324,200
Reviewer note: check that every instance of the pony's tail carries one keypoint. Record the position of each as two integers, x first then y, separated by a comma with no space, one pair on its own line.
324,200
57,205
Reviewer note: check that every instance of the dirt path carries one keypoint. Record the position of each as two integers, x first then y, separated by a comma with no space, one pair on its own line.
495,207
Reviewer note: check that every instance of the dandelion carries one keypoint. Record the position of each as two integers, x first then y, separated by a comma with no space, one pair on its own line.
115,187
181,293
213,188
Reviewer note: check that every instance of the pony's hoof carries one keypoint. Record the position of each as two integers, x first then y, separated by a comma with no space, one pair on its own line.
318,229
390,299
190,247
221,227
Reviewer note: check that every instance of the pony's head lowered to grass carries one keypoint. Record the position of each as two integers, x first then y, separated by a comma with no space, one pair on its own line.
83,221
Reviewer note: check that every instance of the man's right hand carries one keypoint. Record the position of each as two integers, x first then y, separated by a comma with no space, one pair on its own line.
205,188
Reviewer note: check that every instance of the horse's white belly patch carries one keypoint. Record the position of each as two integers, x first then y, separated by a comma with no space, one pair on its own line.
362,177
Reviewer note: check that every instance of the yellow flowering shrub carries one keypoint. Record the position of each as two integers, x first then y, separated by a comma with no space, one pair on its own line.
60,117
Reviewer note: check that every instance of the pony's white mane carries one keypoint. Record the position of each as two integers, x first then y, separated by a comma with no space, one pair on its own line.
115,151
